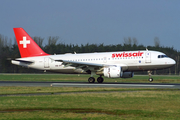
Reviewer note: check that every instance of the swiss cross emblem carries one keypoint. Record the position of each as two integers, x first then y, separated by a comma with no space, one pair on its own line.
24,42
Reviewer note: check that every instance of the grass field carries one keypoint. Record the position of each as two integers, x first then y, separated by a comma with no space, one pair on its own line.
113,103
116,105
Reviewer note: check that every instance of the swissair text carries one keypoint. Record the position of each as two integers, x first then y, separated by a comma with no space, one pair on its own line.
124,54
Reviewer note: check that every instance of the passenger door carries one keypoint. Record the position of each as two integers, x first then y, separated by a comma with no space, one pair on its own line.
148,57
46,62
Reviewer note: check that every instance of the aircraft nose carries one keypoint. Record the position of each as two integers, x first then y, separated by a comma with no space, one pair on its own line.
173,62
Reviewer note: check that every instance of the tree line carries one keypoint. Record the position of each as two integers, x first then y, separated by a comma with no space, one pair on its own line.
9,50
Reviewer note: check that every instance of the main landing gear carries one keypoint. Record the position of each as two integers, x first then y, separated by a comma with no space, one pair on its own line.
92,80
149,73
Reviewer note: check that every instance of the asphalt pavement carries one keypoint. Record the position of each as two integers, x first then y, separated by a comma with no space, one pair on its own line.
86,84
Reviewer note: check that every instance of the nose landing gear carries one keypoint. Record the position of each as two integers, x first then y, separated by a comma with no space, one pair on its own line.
149,73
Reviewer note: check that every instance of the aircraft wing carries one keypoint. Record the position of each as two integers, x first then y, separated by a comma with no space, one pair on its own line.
83,65
88,66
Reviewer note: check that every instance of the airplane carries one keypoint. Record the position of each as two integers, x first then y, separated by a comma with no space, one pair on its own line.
120,64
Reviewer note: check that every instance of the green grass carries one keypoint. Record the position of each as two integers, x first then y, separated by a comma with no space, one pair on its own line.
28,90
82,104
117,105
83,78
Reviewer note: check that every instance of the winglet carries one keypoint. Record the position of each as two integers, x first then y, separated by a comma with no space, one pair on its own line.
26,45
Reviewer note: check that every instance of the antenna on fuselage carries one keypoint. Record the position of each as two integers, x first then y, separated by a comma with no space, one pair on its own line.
146,49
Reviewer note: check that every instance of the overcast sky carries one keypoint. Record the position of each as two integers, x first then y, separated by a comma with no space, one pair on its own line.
95,21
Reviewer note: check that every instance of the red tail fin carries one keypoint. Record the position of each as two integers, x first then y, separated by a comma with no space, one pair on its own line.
27,46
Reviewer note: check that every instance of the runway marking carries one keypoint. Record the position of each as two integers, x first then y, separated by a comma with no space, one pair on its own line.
130,85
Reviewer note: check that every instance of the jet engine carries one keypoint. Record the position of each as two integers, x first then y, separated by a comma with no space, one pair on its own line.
116,72
112,72
127,75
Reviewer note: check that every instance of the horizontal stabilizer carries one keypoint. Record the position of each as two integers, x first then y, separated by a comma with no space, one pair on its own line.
24,61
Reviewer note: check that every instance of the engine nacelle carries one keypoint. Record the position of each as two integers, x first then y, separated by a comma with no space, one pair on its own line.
127,75
113,72
116,72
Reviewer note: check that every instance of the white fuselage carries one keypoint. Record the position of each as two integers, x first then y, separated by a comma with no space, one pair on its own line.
128,60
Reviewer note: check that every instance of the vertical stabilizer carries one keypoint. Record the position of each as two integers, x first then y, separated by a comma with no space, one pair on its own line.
26,45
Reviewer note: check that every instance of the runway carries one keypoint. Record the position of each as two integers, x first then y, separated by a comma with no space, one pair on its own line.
86,84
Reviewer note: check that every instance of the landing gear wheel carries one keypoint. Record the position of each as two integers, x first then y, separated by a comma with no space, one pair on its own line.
150,73
150,79
100,79
91,80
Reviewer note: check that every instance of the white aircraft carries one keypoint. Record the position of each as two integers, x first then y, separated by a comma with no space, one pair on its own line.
120,64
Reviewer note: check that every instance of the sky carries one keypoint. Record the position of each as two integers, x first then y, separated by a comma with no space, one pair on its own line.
94,21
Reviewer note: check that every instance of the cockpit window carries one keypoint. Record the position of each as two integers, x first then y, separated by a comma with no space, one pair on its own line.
162,56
